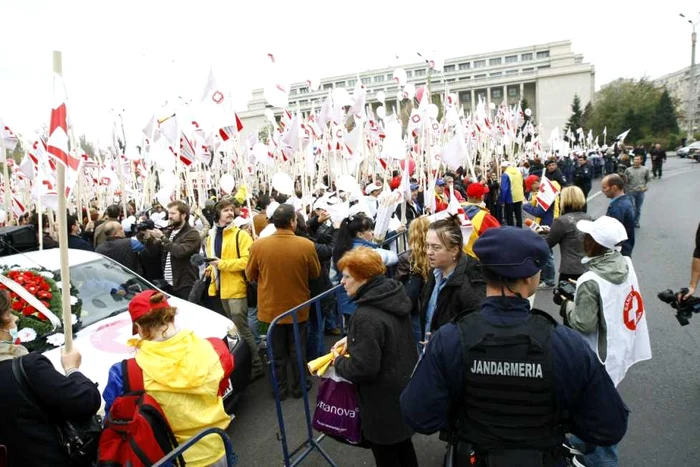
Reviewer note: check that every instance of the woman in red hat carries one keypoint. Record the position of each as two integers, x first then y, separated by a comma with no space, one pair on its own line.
184,373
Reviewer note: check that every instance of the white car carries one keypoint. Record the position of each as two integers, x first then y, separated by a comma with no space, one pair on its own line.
106,325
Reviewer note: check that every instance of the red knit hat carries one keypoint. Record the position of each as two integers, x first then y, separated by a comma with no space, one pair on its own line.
475,190
529,181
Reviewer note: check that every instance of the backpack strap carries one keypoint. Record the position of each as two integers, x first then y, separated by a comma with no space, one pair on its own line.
238,255
132,374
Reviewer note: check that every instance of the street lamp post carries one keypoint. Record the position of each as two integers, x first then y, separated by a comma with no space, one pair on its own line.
691,80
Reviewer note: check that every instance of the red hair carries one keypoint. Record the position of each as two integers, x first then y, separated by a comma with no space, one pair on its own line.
363,263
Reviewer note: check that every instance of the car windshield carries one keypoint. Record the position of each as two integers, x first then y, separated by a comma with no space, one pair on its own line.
106,288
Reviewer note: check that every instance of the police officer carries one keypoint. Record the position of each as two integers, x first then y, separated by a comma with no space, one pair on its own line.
508,380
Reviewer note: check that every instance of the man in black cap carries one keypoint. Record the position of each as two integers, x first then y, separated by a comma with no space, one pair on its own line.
508,382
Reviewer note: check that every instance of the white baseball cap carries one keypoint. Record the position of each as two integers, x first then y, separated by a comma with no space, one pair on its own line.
606,231
372,187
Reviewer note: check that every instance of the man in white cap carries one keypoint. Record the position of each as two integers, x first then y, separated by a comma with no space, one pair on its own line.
608,311
372,192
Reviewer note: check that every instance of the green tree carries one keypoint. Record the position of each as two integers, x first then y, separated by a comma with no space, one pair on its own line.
664,119
87,146
576,120
587,115
633,122
524,104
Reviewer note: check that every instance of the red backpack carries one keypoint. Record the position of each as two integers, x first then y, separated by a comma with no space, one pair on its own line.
137,432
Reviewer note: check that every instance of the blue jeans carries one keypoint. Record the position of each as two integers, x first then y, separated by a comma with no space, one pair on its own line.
638,197
598,456
253,323
548,271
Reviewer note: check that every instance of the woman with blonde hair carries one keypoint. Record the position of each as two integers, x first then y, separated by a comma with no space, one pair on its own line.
565,234
413,269
186,374
382,354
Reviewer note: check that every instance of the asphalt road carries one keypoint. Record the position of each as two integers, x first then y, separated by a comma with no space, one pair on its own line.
663,394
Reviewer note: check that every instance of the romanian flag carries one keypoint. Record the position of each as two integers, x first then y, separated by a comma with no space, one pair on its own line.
481,221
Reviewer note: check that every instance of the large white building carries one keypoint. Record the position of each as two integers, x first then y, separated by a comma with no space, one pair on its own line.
546,75
678,85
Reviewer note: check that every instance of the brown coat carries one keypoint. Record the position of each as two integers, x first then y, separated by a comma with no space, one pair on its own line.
259,222
282,264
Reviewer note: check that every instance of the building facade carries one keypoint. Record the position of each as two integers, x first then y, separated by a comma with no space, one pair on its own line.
679,87
547,76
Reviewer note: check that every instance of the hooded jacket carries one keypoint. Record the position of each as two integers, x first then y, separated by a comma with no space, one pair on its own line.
382,356
511,186
583,315
228,276
184,375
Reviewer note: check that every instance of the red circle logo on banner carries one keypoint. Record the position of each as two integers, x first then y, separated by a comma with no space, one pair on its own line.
217,97
633,310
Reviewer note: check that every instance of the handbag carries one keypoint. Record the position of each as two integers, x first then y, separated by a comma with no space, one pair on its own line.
79,440
337,411
200,290
251,288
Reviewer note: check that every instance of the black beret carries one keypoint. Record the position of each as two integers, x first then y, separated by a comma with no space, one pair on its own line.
512,252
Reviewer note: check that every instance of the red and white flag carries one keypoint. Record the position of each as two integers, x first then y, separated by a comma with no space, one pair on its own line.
57,145
547,194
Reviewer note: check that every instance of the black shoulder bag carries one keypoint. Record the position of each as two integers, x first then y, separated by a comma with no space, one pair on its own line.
79,440
251,289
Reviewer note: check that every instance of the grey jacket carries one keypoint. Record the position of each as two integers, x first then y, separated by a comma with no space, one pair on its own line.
570,240
584,313
637,178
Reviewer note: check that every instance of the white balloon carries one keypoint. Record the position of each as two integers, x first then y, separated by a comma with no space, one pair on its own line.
381,96
528,112
283,183
226,183
347,183
492,105
270,115
164,196
167,179
341,97
433,111
260,152
381,112
409,91
400,76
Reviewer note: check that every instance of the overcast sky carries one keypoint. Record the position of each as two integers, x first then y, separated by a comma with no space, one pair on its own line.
135,55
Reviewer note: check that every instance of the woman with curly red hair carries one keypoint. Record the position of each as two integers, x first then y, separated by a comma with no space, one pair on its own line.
382,354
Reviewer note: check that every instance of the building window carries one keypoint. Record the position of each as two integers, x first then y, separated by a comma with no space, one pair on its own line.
543,67
512,92
511,59
464,66
526,57
420,72
409,73
543,54
303,90
495,61
292,92
511,72
340,84
496,93
366,80
481,95
303,102
498,73
419,85
378,79
450,80
465,97
328,86
449,68
351,82
525,70
389,76
479,63
479,76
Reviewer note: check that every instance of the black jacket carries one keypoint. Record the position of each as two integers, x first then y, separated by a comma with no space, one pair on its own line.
186,243
382,356
464,291
556,176
78,243
29,439
583,177
120,250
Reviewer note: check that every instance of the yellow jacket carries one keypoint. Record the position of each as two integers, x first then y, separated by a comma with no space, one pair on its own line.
183,374
229,273
516,184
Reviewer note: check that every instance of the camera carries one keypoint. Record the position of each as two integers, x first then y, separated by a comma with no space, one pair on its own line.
684,308
565,290
143,226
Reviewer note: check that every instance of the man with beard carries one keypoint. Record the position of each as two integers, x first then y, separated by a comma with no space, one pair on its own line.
178,244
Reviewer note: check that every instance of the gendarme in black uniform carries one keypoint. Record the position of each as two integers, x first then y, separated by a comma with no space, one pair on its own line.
508,380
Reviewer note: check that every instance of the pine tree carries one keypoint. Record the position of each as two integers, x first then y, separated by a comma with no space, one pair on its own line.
633,122
587,116
664,120
576,120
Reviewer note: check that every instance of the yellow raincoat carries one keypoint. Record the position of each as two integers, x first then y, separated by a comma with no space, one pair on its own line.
183,374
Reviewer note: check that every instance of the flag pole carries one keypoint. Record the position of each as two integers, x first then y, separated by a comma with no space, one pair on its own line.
6,177
62,235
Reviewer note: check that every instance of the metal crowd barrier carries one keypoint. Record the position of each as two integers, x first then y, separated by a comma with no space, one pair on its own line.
310,443
231,457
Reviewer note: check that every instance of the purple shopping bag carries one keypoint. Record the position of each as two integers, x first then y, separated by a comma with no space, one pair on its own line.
337,410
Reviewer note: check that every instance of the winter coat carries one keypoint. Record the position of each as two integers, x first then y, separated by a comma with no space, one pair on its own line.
413,283
622,209
228,276
570,240
511,187
463,292
382,356
30,440
186,243
556,176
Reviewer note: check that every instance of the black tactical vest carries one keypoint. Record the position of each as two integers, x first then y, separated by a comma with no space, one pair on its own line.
508,398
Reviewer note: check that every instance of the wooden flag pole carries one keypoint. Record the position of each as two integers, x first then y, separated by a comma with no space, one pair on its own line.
62,237
6,177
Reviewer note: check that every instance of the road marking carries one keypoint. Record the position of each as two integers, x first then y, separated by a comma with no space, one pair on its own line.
594,195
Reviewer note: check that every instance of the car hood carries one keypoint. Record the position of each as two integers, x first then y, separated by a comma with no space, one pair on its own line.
104,343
